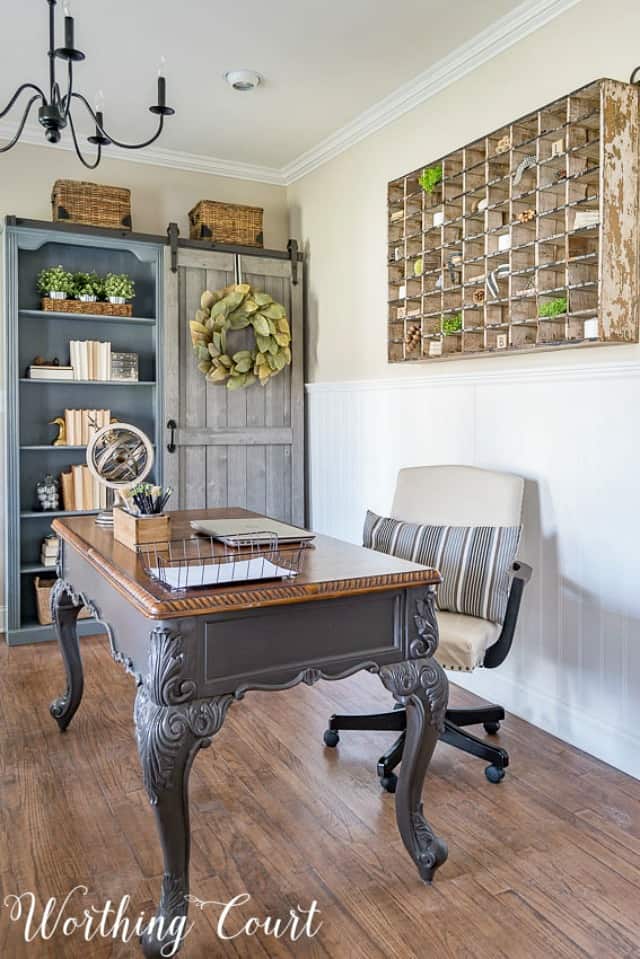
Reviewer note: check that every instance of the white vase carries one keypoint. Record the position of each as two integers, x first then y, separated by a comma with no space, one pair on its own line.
57,295
116,299
87,298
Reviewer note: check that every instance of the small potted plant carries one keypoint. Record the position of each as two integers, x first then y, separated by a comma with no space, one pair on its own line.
56,283
430,178
118,287
452,324
88,287
552,308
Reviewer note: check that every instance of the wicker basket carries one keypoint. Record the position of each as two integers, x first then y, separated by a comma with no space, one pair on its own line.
91,204
227,223
43,589
96,308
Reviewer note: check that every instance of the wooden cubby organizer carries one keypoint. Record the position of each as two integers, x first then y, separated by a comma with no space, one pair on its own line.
538,217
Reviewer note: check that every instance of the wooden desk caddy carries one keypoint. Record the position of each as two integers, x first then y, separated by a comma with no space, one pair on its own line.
134,531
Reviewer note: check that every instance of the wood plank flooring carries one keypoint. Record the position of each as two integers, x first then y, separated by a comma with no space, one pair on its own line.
547,864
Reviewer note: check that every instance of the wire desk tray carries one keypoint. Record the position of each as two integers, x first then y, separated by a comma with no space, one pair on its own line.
201,562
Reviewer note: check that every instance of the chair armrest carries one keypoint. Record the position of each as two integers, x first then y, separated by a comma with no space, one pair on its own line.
521,570
520,575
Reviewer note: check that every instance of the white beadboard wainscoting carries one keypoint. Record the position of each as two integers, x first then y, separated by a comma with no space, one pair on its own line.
572,433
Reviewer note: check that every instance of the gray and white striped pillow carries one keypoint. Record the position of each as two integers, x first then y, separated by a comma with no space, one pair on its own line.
474,561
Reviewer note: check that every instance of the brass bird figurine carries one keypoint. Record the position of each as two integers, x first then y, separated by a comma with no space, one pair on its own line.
61,438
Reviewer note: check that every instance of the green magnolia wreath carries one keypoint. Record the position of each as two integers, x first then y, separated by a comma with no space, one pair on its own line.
234,308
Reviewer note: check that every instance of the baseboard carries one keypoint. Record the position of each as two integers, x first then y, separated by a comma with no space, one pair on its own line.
613,744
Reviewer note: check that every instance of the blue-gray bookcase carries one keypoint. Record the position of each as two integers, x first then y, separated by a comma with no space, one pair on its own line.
28,331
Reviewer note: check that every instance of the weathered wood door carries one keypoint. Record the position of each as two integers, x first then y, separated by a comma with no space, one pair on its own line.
242,447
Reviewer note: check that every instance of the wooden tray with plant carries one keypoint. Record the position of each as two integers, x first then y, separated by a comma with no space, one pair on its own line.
88,293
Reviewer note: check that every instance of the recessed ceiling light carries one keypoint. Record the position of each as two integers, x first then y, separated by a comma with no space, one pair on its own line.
243,80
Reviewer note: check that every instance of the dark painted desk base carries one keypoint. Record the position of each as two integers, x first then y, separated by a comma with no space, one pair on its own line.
174,720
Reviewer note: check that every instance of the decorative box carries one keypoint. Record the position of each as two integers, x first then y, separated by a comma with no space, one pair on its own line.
227,223
135,531
91,204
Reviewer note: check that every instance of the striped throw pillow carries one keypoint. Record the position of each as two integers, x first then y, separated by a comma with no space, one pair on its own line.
474,561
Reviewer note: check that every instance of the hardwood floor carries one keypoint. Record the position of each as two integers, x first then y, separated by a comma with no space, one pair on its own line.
547,864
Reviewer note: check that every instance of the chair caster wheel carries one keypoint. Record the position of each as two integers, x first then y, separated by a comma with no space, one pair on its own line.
492,728
389,782
331,738
494,774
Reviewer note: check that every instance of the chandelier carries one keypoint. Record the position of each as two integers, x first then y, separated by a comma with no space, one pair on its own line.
55,111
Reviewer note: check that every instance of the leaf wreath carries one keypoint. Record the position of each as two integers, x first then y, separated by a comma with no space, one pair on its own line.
234,308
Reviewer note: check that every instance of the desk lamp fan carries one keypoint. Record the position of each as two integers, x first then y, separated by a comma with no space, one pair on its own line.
119,456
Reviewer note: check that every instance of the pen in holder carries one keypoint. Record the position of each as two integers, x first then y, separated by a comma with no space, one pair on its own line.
141,521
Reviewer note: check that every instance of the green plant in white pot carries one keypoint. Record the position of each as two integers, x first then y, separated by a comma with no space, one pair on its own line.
118,287
55,282
88,287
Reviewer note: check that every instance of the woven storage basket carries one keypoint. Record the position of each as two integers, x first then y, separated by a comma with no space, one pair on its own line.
43,589
228,223
91,204
97,308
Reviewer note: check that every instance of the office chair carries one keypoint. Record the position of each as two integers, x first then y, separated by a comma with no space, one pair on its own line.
455,496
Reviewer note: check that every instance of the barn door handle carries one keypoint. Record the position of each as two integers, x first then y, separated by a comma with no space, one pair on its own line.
172,426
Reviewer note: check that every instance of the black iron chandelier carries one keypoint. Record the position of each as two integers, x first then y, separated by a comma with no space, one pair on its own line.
55,111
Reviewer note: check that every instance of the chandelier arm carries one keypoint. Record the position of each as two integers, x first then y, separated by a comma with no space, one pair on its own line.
65,101
25,86
89,166
118,143
21,127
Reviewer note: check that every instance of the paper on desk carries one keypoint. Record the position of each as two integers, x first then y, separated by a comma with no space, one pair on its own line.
215,574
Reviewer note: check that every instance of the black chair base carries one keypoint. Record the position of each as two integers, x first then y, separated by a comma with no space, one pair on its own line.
454,735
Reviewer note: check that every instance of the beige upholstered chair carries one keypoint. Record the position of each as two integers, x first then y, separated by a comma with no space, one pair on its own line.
456,496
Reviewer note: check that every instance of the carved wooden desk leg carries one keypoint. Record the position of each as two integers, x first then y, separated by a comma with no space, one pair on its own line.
65,607
171,727
421,686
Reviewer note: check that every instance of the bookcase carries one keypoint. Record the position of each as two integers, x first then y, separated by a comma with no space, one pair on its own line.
525,239
31,403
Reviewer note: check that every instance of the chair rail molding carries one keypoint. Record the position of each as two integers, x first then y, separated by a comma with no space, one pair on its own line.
508,376
567,428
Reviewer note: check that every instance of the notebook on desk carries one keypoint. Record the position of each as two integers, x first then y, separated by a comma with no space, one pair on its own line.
246,532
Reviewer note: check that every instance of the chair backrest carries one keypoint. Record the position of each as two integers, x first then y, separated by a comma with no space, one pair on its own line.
458,496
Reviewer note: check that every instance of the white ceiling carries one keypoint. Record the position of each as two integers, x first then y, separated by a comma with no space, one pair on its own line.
324,63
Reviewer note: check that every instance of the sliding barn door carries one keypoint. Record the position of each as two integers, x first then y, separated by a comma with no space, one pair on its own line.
241,447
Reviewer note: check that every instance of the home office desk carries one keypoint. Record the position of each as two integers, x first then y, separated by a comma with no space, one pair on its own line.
195,653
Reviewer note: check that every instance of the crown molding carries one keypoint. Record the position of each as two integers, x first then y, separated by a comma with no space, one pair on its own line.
489,43
525,19
508,376
156,156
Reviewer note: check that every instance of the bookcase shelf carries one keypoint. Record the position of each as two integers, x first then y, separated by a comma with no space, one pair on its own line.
31,331
529,240
48,382
89,317
44,514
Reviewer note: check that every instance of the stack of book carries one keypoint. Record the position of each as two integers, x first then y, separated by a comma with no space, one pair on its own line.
81,490
80,425
47,371
90,359
49,551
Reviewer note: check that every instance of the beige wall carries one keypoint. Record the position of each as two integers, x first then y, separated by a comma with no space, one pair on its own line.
158,194
339,210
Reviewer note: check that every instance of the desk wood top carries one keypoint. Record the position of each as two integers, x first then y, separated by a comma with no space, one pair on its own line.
330,569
